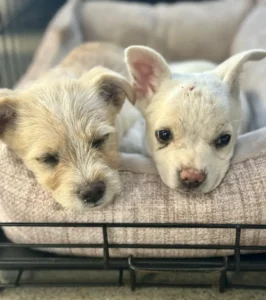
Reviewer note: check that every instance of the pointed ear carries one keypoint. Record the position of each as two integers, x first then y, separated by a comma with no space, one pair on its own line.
147,68
8,105
230,70
112,87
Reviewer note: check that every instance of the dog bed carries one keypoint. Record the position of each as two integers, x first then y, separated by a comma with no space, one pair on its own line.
209,30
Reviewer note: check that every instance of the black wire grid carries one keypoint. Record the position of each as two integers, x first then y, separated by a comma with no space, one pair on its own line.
13,258
20,20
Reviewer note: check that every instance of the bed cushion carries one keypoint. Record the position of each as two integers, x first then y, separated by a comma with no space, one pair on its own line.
145,199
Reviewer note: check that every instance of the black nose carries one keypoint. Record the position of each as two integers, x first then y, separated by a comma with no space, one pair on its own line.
93,192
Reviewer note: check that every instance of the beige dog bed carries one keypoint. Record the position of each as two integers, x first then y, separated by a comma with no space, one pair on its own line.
211,30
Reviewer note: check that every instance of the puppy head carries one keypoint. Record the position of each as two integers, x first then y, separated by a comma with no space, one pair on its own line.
192,119
65,133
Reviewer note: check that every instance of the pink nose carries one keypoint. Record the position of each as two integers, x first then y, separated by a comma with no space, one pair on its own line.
192,178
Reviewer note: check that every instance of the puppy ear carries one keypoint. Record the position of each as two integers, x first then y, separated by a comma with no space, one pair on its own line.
230,70
112,87
7,109
147,68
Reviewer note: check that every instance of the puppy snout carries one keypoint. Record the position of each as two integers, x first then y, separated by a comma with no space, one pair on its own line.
192,178
92,193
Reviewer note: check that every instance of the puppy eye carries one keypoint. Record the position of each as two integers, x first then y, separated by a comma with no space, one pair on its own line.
163,136
97,143
51,159
222,141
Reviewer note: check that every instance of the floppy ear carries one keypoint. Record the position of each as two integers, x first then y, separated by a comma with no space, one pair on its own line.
7,109
112,87
230,70
147,68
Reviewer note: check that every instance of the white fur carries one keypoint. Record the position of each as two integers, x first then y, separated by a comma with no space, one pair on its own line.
197,103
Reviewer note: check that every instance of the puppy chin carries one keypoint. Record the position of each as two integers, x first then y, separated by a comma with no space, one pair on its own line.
205,189
107,199
71,203
78,206
113,189
67,199
209,186
216,183
168,180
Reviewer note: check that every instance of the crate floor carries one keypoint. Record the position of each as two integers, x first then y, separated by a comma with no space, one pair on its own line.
124,293
91,286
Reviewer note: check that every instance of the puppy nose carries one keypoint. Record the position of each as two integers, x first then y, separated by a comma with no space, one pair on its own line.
92,193
192,178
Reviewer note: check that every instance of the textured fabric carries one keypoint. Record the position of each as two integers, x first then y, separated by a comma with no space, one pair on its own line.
239,199
252,34
177,31
61,36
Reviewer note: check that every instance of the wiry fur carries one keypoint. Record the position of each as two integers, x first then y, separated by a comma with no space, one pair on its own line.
198,102
65,112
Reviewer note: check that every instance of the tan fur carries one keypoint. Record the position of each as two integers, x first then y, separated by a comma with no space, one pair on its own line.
63,114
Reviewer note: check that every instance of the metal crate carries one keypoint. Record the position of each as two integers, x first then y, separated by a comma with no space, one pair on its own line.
21,257
21,26
22,23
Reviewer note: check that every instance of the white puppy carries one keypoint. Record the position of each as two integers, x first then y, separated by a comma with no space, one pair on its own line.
192,120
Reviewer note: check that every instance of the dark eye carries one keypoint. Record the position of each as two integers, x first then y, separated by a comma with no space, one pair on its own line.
51,159
164,135
97,143
222,141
